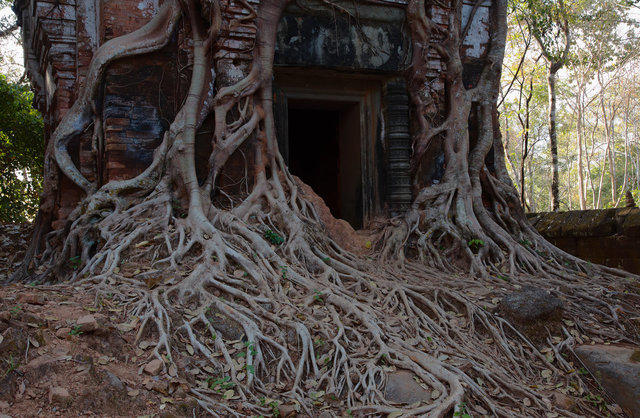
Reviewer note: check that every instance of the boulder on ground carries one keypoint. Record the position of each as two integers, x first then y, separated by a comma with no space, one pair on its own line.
63,333
32,298
153,367
403,389
87,324
617,371
59,395
531,304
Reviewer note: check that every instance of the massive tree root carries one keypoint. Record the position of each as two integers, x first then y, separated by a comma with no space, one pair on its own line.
324,326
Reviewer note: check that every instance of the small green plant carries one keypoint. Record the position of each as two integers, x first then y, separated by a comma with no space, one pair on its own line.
275,409
273,237
525,242
75,331
283,269
220,384
251,347
74,262
475,244
12,365
177,209
16,310
317,295
462,411
250,368
598,402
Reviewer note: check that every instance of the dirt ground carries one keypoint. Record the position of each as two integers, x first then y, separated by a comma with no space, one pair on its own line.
51,364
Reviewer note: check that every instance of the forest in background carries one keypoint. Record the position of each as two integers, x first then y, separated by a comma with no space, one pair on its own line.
595,45
598,107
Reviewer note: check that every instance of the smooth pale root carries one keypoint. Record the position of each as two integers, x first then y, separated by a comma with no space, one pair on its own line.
374,313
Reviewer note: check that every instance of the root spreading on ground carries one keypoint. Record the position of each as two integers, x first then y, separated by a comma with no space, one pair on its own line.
324,326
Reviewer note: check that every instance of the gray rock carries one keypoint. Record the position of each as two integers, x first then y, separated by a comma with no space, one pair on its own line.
227,327
154,367
614,367
113,381
87,324
59,395
531,304
403,389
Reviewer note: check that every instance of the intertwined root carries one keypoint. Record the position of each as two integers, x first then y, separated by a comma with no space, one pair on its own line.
325,327
322,326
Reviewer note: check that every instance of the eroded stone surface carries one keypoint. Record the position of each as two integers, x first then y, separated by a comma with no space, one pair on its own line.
531,304
59,395
616,371
403,389
153,367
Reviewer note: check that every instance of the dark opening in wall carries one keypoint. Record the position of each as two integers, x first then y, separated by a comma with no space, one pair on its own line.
324,151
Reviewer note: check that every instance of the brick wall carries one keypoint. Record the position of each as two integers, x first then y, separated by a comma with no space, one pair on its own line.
610,236
140,95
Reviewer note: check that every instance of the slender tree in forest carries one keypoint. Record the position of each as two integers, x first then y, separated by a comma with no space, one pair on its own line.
548,22
314,314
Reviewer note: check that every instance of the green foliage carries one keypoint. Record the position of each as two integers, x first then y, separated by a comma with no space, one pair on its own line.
475,244
273,237
549,21
220,384
21,153
12,364
462,411
76,331
251,347
599,403
75,262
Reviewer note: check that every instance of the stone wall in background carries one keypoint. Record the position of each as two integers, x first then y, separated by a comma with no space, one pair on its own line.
608,236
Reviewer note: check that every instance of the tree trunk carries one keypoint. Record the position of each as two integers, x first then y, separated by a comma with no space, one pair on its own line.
553,138
580,129
318,317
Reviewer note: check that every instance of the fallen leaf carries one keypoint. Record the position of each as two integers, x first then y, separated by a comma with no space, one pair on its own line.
173,370
546,373
316,395
435,394
526,402
190,349
133,393
229,394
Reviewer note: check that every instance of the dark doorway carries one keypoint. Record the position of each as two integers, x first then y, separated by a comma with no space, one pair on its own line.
324,150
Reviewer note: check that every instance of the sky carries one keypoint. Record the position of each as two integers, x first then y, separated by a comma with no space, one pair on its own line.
11,56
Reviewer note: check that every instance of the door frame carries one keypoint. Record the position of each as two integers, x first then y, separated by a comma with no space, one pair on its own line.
333,86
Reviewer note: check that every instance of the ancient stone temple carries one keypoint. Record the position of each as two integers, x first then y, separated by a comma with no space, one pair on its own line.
340,95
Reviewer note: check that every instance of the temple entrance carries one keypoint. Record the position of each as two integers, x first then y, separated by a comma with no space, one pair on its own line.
324,150
347,136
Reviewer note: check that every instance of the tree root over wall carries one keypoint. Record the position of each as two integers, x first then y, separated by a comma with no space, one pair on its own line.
316,317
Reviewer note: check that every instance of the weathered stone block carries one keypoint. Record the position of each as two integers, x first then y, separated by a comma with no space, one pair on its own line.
616,371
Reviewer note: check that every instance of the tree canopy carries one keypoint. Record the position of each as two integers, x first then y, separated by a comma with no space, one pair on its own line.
21,153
